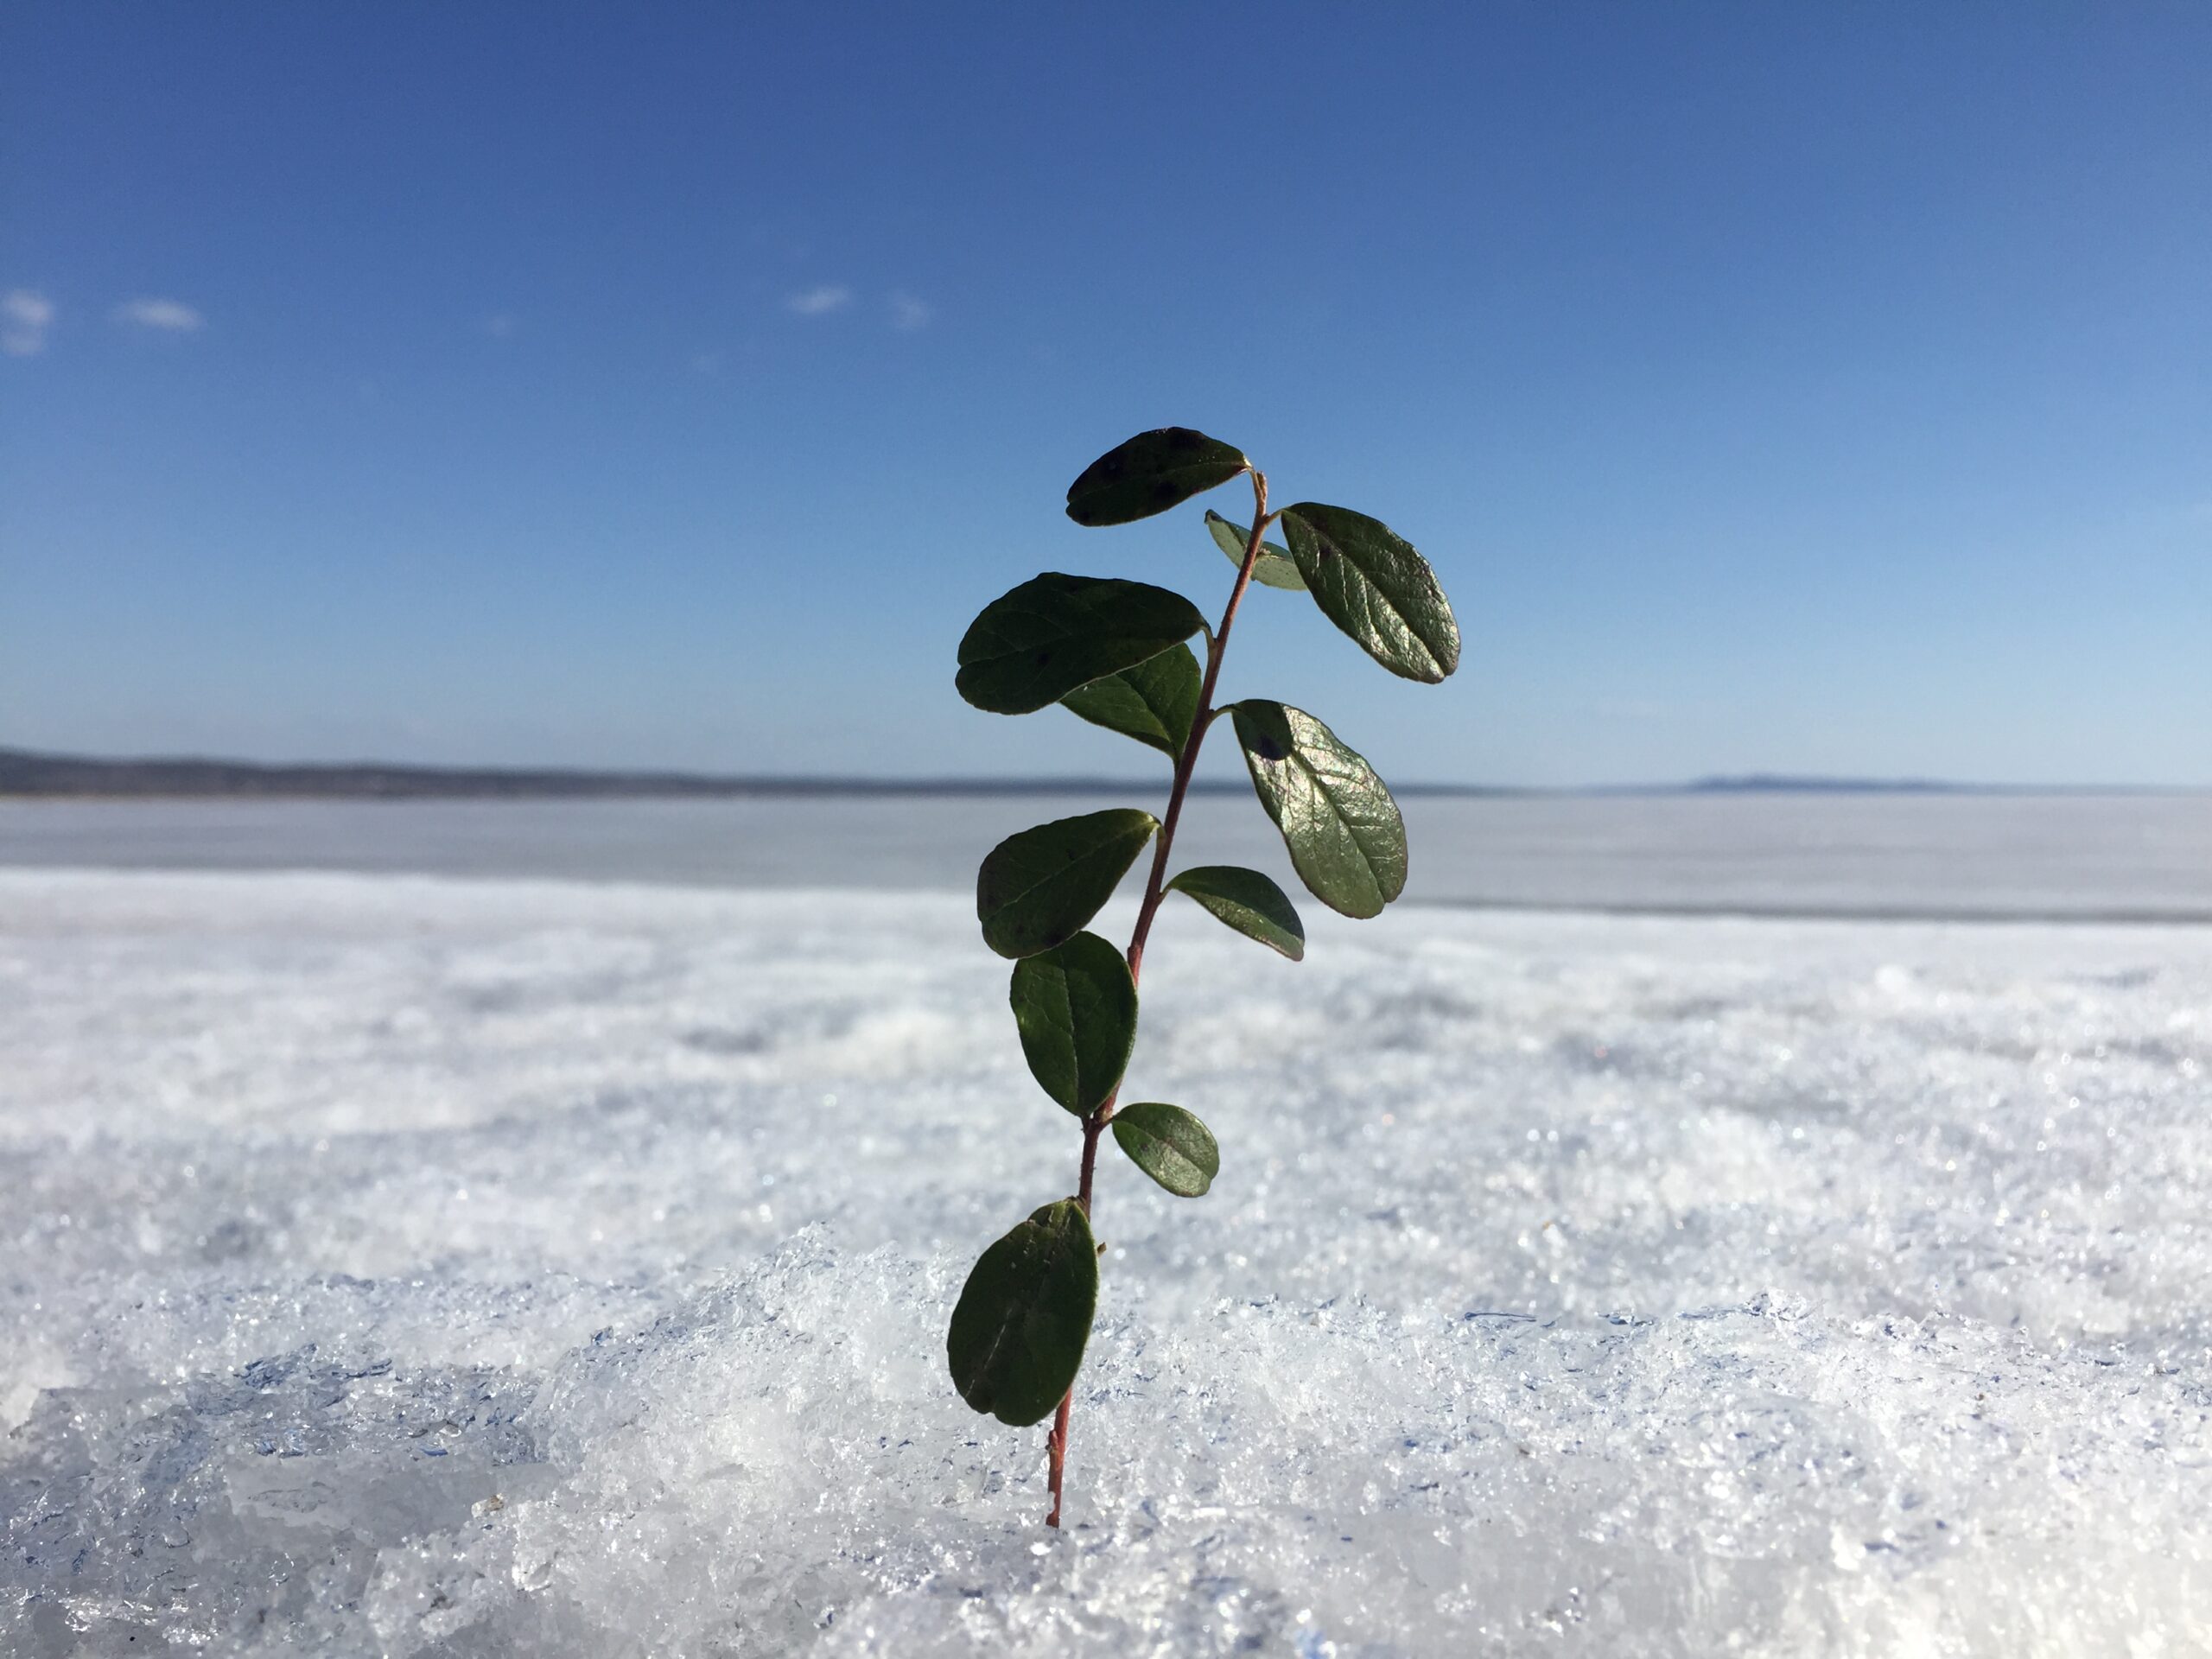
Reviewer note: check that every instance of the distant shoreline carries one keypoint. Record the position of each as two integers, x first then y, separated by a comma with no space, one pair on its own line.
31,775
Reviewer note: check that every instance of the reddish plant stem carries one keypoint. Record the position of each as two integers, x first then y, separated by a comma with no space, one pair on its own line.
1155,889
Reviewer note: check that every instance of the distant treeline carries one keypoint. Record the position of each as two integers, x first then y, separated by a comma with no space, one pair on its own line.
23,771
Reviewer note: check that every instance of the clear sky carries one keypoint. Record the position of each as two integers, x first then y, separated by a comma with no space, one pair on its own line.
1808,388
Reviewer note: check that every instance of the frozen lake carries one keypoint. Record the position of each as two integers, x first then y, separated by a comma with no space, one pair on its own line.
417,1264
2118,857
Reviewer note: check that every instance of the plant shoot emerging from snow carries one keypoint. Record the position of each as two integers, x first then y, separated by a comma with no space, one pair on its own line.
1114,654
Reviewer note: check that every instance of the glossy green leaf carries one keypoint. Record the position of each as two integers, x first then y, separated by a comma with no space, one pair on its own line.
1169,1145
1151,473
1033,646
1024,1317
1076,1007
1369,582
1040,888
1275,568
1346,840
1154,703
1249,902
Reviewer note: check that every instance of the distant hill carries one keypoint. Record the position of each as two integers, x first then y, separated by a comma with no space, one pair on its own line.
1769,783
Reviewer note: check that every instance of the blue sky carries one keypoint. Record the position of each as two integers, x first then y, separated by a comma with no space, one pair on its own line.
1801,388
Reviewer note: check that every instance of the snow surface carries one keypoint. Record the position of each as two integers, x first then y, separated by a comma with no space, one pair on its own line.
409,1266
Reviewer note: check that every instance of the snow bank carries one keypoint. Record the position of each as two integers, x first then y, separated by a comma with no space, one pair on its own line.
408,1267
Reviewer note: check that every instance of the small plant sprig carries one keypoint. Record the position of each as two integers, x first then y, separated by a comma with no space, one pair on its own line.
1114,652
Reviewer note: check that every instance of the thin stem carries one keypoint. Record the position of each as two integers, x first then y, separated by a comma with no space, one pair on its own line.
1155,888
1186,764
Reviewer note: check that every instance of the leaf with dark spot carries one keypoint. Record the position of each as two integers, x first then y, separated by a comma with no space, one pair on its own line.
1151,473
1346,840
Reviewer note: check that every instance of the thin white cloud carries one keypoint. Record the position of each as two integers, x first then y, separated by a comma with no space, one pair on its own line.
707,363
501,325
820,302
169,316
909,313
25,316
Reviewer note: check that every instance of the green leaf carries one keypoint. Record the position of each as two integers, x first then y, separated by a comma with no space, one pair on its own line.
1369,582
1154,703
1034,643
1249,902
1169,1145
1346,840
1274,568
1151,473
1040,888
1076,1007
1024,1316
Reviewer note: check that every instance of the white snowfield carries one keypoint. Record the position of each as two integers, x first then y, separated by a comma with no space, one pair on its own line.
406,1266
